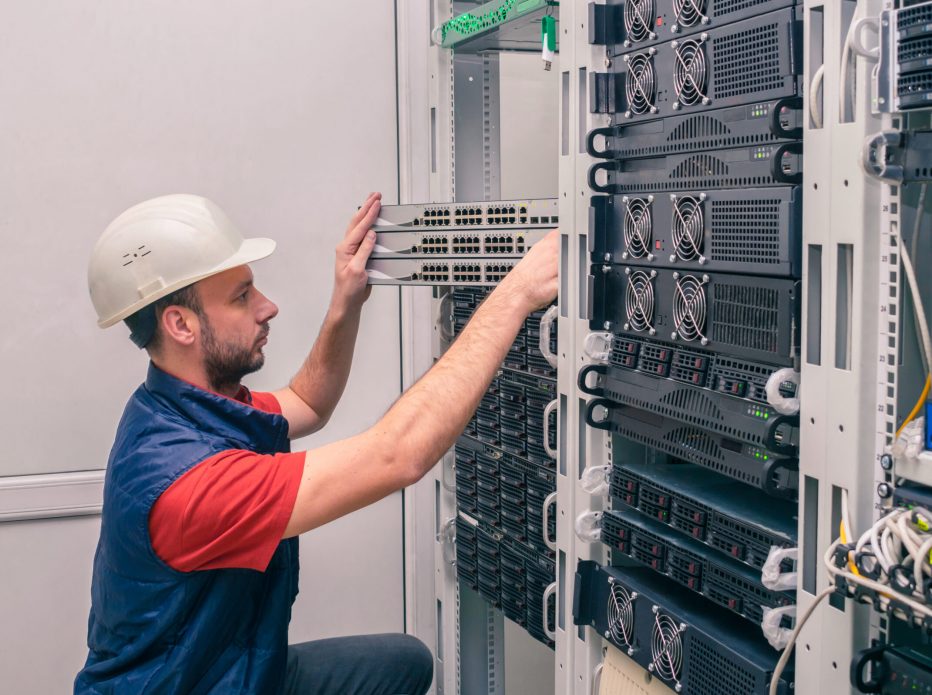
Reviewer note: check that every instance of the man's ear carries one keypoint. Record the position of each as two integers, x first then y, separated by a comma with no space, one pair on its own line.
180,325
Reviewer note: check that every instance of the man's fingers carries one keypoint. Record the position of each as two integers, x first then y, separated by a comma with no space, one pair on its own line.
359,260
358,233
358,230
363,209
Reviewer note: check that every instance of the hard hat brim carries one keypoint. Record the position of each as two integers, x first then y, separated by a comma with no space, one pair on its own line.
250,250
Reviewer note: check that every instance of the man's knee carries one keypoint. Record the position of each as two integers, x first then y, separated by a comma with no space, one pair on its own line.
417,660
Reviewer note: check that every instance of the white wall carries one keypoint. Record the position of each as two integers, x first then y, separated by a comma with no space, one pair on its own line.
284,113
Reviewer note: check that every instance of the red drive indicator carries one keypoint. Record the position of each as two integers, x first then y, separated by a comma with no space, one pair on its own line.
659,21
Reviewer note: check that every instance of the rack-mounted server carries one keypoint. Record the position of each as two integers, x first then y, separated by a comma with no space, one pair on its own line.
695,648
754,231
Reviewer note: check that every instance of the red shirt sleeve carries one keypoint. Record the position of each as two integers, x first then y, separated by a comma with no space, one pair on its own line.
229,511
266,402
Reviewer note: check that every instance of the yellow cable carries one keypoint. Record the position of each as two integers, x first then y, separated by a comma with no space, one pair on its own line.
918,407
844,541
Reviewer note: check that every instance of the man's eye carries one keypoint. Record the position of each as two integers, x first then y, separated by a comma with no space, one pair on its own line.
242,297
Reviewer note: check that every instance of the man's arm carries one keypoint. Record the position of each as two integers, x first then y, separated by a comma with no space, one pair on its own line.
406,443
309,400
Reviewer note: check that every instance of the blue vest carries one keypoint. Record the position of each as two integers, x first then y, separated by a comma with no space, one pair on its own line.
153,629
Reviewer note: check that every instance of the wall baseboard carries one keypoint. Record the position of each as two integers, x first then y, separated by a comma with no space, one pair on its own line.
51,496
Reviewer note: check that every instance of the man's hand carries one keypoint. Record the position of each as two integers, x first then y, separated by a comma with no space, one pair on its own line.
534,279
350,285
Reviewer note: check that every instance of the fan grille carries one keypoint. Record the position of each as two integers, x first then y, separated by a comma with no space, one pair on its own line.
666,648
639,302
639,19
688,228
639,87
689,12
637,227
689,308
690,73
621,616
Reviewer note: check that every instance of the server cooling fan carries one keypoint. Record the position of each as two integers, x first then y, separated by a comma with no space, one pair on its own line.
690,72
688,228
666,649
639,21
640,83
639,301
638,227
621,617
689,308
689,13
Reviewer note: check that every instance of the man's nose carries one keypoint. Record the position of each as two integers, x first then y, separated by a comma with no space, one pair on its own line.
268,309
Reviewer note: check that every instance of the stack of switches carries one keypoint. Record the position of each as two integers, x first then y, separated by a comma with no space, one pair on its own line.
463,244
695,240
504,480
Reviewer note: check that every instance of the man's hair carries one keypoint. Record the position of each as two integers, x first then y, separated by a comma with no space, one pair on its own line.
145,324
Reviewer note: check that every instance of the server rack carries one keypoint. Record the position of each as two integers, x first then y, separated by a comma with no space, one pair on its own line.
848,340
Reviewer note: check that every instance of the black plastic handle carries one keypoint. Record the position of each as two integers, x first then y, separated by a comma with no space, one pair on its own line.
770,441
868,564
606,424
595,169
590,143
794,103
584,373
769,484
777,173
873,657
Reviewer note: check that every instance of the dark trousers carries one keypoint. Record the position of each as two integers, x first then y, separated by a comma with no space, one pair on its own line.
390,664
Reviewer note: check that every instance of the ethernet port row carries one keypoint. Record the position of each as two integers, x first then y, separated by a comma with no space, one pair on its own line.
433,272
502,215
494,272
504,243
466,244
433,244
467,216
467,272
435,218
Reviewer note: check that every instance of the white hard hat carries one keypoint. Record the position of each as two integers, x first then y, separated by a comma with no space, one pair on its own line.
162,245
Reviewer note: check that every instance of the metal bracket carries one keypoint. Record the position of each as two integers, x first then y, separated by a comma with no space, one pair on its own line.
901,157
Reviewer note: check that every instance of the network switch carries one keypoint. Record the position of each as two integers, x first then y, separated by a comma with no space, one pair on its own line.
477,272
756,231
753,318
693,647
775,474
501,214
720,512
764,123
722,580
471,243
750,61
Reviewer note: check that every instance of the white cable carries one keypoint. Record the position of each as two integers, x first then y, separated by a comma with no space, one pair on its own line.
815,87
788,650
877,547
918,313
846,516
917,302
843,81
922,565
862,541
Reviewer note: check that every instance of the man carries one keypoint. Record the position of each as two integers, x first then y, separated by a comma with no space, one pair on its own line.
197,564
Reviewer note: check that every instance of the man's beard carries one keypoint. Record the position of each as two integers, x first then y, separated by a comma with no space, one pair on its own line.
226,363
